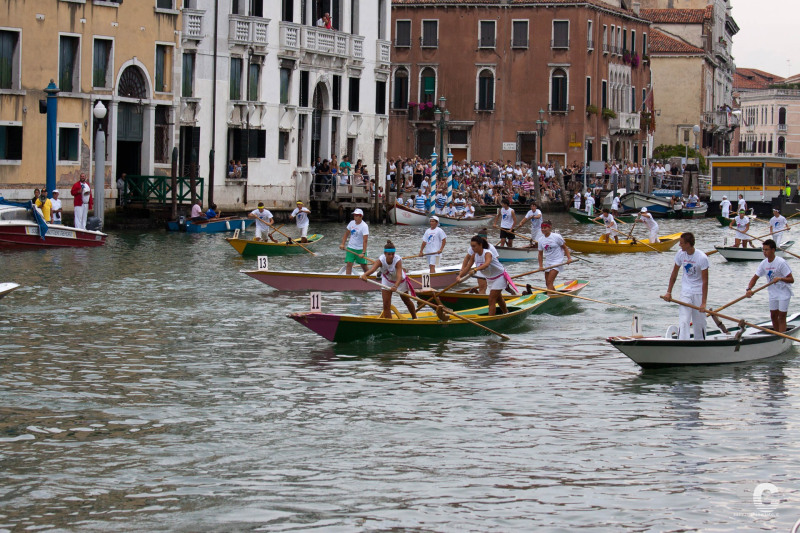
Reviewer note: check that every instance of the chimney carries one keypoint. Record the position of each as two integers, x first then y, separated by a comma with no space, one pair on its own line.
636,6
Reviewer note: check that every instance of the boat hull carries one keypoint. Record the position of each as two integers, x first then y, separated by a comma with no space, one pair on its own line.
325,282
459,301
726,222
213,226
584,218
519,254
406,216
6,288
637,200
251,248
665,244
750,254
25,234
717,349
349,328
689,212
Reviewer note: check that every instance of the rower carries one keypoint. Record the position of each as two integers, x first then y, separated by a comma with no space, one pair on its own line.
552,251
393,277
694,287
535,216
777,227
725,207
479,276
615,205
650,222
742,225
742,204
433,242
610,224
263,221
589,203
357,231
775,268
489,264
506,218
300,214
576,200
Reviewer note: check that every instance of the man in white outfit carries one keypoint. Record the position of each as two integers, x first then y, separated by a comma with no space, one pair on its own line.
694,288
725,207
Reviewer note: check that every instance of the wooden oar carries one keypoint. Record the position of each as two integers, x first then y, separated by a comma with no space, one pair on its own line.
739,299
419,255
737,320
443,308
538,270
275,229
581,297
784,251
521,236
295,242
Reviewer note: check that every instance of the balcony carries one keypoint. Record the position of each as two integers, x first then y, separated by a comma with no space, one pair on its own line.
240,112
781,128
248,31
383,53
289,38
325,42
192,24
357,47
625,124
719,120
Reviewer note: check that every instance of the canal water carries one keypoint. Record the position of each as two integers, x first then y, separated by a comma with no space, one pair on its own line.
148,385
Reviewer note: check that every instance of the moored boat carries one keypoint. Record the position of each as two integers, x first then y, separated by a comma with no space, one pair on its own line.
288,280
750,254
698,211
22,226
658,205
625,246
6,288
459,301
736,346
584,218
250,247
407,216
348,328
214,225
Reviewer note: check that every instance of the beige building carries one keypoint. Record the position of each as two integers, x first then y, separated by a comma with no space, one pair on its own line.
771,122
121,53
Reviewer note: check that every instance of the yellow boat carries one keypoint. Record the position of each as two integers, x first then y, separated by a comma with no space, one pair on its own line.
249,247
665,244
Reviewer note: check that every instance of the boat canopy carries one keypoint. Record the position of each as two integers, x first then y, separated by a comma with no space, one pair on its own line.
37,216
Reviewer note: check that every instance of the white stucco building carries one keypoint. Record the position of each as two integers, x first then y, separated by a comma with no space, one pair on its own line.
275,91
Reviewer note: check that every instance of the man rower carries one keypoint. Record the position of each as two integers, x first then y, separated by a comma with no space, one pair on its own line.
357,231
534,214
552,251
433,242
506,218
694,287
742,225
778,226
300,215
775,268
615,205
725,207
393,277
589,204
652,226
610,224
263,222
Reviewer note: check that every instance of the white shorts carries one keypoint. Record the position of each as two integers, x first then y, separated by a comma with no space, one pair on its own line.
653,236
498,284
261,232
781,305
434,259
742,237
303,231
403,287
557,269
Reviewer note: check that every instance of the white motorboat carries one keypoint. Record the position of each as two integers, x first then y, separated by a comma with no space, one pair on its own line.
750,254
407,216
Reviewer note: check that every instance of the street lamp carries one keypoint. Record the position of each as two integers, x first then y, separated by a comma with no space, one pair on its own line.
441,118
100,162
541,130
696,131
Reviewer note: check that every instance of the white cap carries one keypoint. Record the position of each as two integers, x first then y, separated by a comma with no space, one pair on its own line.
724,197
644,210
54,191
358,212
434,217
776,209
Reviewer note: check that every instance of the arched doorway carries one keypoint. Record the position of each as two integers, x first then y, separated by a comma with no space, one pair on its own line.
320,124
130,121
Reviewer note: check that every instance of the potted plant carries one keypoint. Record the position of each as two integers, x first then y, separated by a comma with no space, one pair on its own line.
626,57
635,60
591,109
609,113
646,118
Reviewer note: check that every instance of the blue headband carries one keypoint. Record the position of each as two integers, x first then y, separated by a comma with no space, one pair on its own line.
389,250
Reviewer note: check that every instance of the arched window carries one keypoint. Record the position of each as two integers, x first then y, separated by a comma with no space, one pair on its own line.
782,116
400,100
132,83
486,90
427,85
558,90
781,145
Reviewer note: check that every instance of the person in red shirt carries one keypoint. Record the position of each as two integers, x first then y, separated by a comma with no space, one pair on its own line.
83,201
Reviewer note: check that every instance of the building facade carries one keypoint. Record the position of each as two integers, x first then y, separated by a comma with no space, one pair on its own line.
582,63
123,54
264,85
771,122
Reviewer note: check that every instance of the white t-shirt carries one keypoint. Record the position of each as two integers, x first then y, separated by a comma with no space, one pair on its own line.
86,193
615,203
725,206
741,223
777,223
495,268
357,232
609,221
433,239
742,204
506,222
552,249
779,268
55,205
692,267
536,219
650,222
301,216
589,200
389,271
262,220
492,249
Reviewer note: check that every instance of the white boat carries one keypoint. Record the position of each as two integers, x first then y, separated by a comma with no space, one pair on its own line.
736,346
750,254
658,205
6,288
517,254
407,216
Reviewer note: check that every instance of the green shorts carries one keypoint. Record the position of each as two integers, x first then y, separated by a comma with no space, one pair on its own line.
353,257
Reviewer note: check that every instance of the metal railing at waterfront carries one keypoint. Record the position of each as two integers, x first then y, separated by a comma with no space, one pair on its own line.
158,189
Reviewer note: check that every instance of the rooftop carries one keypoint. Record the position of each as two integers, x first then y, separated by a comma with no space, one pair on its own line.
603,4
661,43
754,79
675,16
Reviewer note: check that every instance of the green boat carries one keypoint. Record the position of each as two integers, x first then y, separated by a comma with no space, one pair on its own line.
584,218
348,328
726,222
250,247
459,301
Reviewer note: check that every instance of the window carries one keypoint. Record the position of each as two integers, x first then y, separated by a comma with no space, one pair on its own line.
402,33
162,68
10,143
287,10
187,88
9,59
619,39
613,39
161,147
68,139
380,97
605,38
258,144
589,36
558,90
588,90
430,33
353,97
254,77
624,40
101,62
286,78
283,145
560,34
304,81
256,8
644,44
644,97
427,86
781,116
633,100
236,78
604,95
337,92
486,90
68,66
633,41
400,100
486,37
164,4
519,34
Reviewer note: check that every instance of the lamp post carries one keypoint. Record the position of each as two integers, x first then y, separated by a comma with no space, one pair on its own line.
441,118
541,130
52,121
100,162
696,131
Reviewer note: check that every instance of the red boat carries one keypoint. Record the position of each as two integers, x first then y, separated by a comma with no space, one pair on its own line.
22,226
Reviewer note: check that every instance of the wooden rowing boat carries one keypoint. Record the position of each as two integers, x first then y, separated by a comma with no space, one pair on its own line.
250,247
515,255
584,218
750,254
459,301
287,280
6,288
736,346
348,328
665,244
407,216
726,222
698,211
214,225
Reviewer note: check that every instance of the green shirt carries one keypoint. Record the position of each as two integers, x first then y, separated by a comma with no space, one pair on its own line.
345,167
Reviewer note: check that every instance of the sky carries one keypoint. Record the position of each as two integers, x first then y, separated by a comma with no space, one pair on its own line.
768,35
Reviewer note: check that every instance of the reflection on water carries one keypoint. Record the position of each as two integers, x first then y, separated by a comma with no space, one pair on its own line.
149,385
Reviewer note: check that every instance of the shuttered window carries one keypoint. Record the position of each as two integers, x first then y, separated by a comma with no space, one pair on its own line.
403,33
560,34
486,90
430,33
519,34
487,34
8,47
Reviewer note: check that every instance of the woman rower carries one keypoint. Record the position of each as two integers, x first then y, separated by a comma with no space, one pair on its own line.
393,277
742,225
552,251
611,226
488,264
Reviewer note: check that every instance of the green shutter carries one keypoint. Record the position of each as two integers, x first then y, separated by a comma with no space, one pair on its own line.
8,41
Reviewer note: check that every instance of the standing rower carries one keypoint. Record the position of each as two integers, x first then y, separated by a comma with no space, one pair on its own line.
742,225
725,207
479,276
393,277
506,218
775,268
778,226
433,242
535,216
263,222
694,287
651,224
552,251
489,264
610,224
300,214
357,232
